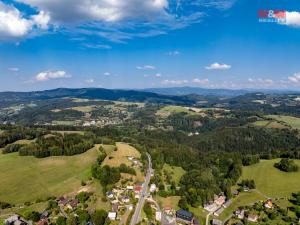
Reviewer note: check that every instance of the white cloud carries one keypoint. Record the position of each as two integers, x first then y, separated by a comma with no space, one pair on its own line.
174,53
295,78
293,19
97,46
13,69
13,24
158,75
218,66
89,81
106,73
201,81
174,82
146,67
47,75
121,20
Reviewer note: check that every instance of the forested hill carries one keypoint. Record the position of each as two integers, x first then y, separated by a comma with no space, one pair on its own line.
96,93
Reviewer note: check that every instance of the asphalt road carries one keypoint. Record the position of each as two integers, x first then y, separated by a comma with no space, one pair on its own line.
136,216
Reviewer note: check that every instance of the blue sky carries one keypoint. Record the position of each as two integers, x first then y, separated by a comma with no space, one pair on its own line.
46,44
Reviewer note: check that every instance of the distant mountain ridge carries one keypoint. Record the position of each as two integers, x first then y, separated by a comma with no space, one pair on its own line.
179,91
96,93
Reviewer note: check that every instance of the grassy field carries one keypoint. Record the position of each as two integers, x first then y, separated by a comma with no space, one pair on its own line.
63,122
177,172
243,199
24,142
294,122
25,178
84,109
168,110
116,158
171,201
270,124
271,181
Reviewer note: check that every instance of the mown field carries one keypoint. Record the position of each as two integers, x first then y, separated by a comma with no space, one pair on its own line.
25,178
271,181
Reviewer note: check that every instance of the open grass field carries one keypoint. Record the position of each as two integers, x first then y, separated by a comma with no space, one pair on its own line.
63,122
271,181
269,124
25,178
294,122
176,172
171,109
116,158
84,109
171,201
24,142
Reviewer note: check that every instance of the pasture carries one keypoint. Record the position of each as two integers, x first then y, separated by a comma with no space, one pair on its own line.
270,181
175,171
26,178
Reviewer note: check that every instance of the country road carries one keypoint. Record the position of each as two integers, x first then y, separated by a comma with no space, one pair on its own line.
136,216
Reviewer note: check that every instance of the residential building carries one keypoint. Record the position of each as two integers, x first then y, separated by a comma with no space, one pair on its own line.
227,203
184,215
112,215
219,211
252,218
217,222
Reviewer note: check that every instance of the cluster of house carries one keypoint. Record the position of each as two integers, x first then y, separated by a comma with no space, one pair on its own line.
66,203
135,161
240,213
120,197
18,220
218,205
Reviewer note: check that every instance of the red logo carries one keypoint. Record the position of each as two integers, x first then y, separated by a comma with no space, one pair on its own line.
276,14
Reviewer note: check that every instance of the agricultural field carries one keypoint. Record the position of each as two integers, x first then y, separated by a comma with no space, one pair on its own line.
270,181
175,171
41,178
294,122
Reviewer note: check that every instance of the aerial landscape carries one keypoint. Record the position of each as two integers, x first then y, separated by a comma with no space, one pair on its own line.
149,112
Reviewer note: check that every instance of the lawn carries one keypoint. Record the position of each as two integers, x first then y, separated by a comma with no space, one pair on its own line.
294,122
176,172
171,201
271,181
25,178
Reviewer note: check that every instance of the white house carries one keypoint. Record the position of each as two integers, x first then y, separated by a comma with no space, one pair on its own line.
152,188
158,216
112,215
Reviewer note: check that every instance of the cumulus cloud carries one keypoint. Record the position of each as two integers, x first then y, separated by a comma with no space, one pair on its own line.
293,19
174,82
106,73
295,78
158,75
218,66
13,24
115,20
48,75
146,67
